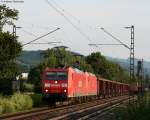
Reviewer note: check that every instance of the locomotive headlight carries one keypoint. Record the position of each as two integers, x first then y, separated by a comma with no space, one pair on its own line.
46,90
64,84
65,91
47,85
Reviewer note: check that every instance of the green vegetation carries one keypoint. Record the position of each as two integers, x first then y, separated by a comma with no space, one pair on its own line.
139,110
10,48
37,99
19,102
15,103
27,87
107,69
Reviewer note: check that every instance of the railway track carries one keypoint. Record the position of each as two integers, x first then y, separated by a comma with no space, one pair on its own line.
77,111
106,113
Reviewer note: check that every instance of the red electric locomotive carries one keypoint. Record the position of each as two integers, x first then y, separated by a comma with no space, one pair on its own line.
64,83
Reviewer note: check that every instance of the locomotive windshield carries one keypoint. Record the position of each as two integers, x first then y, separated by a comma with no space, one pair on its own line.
56,76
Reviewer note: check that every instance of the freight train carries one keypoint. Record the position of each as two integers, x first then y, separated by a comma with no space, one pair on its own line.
71,83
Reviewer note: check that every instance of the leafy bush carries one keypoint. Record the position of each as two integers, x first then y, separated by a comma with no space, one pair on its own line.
37,99
21,101
6,105
14,103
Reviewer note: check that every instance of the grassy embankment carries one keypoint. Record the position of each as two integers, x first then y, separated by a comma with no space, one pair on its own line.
139,110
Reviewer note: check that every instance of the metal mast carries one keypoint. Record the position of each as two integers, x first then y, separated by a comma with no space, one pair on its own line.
131,53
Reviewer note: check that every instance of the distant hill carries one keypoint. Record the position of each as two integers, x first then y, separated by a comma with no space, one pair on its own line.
29,59
126,62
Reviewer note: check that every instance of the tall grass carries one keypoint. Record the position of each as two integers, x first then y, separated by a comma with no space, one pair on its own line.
139,110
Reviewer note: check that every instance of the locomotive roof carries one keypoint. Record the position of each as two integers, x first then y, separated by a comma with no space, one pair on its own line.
79,71
55,69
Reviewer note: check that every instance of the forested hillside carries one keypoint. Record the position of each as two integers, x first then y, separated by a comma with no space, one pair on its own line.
29,59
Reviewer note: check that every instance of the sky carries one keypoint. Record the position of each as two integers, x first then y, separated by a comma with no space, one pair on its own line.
80,22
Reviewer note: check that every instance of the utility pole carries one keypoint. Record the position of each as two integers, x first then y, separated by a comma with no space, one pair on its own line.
131,53
14,30
15,82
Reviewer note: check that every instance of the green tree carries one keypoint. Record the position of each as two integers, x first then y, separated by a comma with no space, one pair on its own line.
34,77
7,16
105,68
10,48
98,63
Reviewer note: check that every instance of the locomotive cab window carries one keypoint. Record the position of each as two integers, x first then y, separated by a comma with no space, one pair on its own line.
62,75
56,76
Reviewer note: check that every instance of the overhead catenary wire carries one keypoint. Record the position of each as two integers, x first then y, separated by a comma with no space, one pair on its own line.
71,15
29,33
68,20
74,17
62,12
47,43
104,44
62,9
33,25
65,12
40,37
121,43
